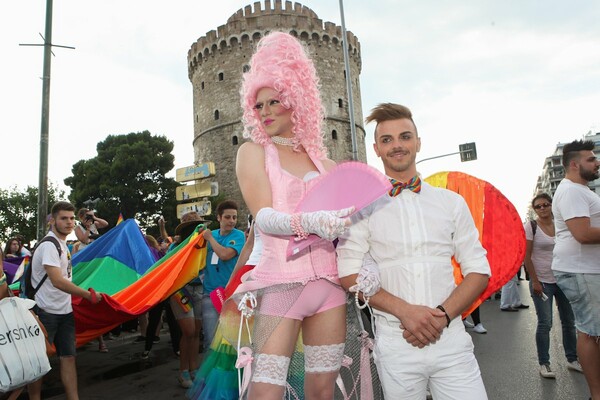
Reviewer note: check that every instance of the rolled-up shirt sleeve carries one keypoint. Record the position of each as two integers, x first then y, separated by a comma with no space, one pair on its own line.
468,251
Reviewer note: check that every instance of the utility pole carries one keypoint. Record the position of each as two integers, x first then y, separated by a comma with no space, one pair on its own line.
44,131
348,84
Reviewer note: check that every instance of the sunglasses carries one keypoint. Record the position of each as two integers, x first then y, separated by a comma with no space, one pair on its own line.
544,205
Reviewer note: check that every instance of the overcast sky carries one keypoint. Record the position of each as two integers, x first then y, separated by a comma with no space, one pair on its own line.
516,77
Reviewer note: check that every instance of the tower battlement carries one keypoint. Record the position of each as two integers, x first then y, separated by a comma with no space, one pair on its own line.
249,24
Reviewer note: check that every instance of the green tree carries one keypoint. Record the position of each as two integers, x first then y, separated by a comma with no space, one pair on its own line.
18,211
128,177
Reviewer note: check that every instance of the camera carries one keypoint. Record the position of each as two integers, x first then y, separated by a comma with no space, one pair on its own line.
89,217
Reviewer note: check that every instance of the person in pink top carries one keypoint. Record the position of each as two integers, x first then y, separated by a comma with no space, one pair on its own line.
283,116
544,289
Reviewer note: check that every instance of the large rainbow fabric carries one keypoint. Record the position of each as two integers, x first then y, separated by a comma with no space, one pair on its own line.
113,261
500,228
136,296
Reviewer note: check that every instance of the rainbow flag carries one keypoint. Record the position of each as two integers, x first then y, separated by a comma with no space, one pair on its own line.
113,261
120,219
159,281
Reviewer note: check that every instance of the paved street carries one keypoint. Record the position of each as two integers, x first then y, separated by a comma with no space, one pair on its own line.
506,354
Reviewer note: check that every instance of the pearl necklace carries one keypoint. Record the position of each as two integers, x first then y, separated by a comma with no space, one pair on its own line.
283,141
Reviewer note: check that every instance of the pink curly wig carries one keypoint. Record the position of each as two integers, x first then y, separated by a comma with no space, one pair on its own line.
280,62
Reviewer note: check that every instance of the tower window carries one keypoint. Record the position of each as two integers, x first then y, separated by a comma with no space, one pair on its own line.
334,134
221,76
216,115
245,68
340,103
234,140
202,85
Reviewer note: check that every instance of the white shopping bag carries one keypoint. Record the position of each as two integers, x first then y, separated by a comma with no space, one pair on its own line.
23,356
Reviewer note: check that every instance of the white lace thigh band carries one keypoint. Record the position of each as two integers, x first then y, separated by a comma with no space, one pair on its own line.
271,369
326,358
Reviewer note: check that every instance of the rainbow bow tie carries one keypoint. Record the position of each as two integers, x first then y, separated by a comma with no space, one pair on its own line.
414,185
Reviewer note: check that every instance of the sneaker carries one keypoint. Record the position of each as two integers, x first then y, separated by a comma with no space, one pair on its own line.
140,339
511,309
467,324
574,366
145,355
546,372
522,306
185,380
156,339
479,328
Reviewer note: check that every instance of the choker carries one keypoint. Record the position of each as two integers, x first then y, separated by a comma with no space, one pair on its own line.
283,141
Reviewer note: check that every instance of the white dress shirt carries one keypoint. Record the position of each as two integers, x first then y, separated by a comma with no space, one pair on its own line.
412,238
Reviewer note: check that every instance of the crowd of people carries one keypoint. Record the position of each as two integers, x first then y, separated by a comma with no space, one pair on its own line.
405,241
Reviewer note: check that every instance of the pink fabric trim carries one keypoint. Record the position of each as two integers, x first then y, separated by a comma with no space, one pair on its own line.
244,360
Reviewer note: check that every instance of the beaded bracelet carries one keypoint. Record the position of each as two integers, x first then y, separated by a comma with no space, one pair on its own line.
440,307
365,301
296,226
3,279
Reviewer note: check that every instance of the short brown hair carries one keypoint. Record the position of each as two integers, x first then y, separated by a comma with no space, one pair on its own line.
61,206
389,112
226,205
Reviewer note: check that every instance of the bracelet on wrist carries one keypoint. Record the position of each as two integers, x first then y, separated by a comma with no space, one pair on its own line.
297,228
448,320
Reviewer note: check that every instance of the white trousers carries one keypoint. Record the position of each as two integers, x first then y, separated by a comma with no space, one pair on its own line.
449,366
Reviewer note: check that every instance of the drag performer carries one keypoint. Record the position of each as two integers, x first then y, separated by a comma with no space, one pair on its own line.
282,113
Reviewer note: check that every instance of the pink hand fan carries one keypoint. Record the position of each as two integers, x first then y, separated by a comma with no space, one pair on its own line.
350,184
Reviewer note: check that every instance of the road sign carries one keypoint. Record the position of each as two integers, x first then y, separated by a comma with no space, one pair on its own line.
201,207
468,152
194,172
187,192
196,190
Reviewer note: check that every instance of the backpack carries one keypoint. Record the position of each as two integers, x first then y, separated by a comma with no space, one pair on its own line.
26,286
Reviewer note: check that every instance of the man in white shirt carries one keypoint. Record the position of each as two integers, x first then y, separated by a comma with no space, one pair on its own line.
419,337
576,256
53,296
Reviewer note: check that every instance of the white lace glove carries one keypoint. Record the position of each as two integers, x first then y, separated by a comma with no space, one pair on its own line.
367,281
326,224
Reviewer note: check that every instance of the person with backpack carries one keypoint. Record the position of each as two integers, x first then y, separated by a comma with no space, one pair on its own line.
542,284
52,289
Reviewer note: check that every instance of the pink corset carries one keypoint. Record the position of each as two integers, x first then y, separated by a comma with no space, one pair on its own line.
316,261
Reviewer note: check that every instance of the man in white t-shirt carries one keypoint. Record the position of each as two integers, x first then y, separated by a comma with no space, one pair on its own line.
53,296
576,256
